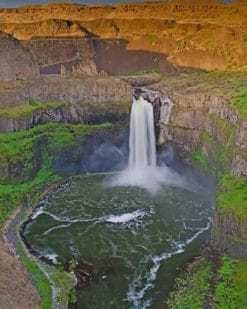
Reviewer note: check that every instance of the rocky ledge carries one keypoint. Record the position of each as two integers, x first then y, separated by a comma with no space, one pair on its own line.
65,100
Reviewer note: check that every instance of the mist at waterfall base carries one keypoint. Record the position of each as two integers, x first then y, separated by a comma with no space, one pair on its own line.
142,170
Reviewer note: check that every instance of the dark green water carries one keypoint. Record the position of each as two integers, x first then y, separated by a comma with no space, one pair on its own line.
134,239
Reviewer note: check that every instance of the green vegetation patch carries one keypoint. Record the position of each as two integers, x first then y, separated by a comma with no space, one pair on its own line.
63,281
18,147
240,104
39,279
214,161
230,291
201,159
11,195
23,110
152,39
192,289
232,195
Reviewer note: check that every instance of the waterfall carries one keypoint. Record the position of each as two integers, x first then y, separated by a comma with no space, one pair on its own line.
142,137
142,170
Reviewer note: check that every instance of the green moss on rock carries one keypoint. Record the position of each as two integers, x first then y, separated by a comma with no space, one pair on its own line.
201,159
11,195
18,147
193,287
240,104
211,155
226,128
230,290
203,286
39,279
23,110
232,196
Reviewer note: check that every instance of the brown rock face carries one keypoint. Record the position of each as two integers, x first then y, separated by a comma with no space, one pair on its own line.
16,290
47,28
229,234
49,50
84,90
188,33
196,115
16,62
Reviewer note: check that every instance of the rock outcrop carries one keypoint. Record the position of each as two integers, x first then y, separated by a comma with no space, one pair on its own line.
86,100
16,62
73,90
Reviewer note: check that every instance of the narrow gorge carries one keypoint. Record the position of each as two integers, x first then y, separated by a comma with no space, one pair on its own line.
123,171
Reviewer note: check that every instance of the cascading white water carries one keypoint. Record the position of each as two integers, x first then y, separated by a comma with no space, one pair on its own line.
142,137
142,170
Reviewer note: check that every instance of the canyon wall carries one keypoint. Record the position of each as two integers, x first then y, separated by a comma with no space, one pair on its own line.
165,34
88,100
204,127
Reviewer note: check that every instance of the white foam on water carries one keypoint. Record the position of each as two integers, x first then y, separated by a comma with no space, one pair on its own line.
137,291
64,219
189,240
56,228
124,218
52,257
151,178
37,213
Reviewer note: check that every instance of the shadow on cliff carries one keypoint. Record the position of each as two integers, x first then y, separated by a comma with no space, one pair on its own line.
113,57
110,55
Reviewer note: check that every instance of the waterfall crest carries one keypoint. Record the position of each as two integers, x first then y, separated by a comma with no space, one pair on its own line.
142,150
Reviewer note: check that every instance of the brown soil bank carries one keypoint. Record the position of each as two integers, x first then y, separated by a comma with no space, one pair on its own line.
16,290
186,33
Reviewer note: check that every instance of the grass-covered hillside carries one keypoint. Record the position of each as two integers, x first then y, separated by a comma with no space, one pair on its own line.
17,151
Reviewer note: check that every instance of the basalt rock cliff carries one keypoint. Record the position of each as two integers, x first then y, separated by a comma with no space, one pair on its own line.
206,127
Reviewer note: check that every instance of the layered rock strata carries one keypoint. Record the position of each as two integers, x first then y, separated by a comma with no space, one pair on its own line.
174,33
205,125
